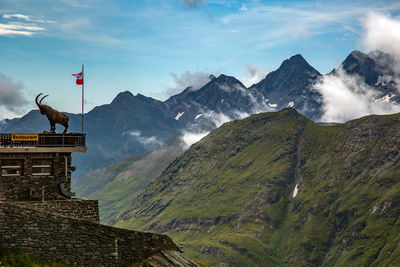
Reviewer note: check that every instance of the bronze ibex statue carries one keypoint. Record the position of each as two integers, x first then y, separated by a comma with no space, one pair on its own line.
54,116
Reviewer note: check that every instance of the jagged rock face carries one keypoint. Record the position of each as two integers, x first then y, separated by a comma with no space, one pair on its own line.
224,94
278,189
292,82
376,69
290,85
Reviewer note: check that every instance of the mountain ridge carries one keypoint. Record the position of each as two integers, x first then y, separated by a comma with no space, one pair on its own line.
131,124
201,121
276,188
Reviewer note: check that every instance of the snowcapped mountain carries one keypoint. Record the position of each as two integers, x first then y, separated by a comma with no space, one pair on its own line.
379,70
222,95
130,124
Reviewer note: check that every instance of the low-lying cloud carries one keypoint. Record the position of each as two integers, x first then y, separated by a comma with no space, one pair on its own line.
346,97
145,141
253,74
382,33
195,80
190,137
12,98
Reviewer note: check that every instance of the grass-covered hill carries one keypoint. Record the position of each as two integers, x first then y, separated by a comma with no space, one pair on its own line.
278,189
116,186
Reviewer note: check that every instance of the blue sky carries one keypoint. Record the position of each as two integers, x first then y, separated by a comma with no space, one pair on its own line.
157,47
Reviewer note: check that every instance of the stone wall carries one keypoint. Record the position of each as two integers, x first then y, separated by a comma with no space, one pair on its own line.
69,240
18,187
76,208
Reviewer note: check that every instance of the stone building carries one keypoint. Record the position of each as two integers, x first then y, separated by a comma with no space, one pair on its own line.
38,166
40,215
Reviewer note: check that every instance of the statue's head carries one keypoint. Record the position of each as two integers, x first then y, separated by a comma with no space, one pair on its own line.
39,104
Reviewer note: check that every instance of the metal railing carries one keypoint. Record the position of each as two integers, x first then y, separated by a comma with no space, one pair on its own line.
46,140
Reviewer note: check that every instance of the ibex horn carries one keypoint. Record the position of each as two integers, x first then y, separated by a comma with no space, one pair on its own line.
40,102
37,98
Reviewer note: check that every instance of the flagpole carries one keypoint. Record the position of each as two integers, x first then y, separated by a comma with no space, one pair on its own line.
83,98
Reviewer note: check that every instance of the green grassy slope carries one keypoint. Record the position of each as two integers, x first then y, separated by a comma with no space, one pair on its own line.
116,186
229,198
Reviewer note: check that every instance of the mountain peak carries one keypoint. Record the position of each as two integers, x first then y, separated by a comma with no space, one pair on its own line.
357,55
371,66
125,93
297,57
296,62
294,66
225,78
122,97
143,97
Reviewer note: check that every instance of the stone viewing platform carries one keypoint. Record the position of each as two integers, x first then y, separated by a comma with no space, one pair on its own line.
38,166
39,214
42,142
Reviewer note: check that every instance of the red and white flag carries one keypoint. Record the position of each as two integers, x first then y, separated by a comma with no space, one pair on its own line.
79,78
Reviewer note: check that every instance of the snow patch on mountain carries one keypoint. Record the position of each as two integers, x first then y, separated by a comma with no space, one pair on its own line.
295,191
273,105
179,115
386,98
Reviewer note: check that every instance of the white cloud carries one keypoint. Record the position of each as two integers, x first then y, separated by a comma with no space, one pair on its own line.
17,16
346,97
253,74
243,8
19,29
24,17
190,137
268,25
12,100
382,33
15,28
236,87
195,80
146,141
